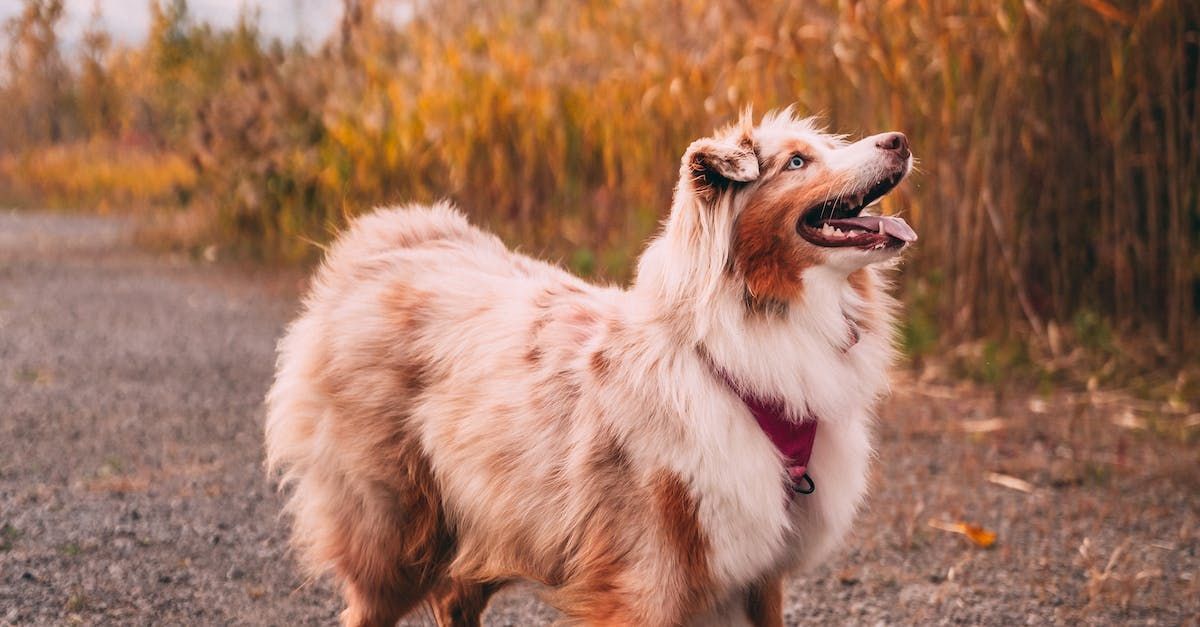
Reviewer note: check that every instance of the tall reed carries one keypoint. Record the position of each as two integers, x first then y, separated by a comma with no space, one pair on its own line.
1059,141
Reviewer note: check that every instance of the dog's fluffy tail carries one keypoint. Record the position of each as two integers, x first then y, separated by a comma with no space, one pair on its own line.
299,449
392,228
295,405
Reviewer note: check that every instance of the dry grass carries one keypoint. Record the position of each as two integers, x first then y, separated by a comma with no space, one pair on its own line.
100,175
1059,140
1090,508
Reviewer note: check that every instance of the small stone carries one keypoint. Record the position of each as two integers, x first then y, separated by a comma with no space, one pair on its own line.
235,573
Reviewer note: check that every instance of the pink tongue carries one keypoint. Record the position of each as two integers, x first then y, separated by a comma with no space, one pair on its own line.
896,227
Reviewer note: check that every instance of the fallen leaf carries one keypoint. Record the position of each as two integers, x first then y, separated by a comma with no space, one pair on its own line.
1011,482
981,537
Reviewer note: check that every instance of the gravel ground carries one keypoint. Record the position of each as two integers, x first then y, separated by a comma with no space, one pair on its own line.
132,491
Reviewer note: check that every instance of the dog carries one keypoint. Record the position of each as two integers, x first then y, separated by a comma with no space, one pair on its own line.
451,416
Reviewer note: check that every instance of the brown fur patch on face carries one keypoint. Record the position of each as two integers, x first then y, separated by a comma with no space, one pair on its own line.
767,251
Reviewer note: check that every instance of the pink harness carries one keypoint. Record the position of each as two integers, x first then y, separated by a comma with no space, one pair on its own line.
793,439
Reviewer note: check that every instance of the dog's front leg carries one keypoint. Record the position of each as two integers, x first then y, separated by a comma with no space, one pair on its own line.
760,605
461,604
764,603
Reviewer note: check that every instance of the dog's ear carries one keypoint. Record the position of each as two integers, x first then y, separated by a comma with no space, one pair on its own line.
712,164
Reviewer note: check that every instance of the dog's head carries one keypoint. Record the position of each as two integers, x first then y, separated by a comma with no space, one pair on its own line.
799,199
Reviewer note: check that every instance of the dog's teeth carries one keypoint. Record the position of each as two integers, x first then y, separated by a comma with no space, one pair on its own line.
881,227
827,230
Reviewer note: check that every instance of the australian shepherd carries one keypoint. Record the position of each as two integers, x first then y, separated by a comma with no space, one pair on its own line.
451,416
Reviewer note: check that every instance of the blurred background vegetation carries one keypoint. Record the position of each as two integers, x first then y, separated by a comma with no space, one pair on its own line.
1058,196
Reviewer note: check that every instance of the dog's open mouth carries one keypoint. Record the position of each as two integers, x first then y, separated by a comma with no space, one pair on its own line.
839,221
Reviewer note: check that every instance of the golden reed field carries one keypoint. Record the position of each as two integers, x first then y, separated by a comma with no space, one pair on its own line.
1057,195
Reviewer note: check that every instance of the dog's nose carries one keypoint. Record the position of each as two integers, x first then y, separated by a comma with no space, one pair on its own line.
894,142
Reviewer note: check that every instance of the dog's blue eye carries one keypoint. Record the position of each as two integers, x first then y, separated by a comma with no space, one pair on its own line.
795,163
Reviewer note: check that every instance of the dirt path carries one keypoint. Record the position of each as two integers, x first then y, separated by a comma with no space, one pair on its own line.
132,492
